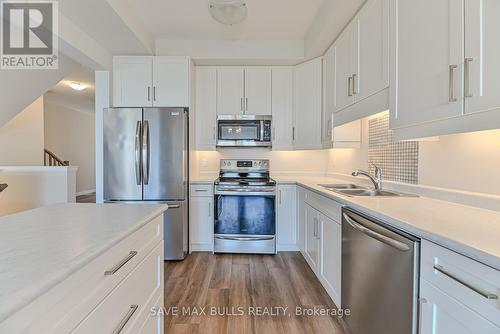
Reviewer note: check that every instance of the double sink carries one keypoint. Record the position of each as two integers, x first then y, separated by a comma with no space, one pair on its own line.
350,189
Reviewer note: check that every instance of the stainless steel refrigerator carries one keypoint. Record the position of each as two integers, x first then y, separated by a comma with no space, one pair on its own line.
146,160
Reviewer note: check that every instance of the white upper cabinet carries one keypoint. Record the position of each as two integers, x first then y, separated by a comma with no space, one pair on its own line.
143,81
133,81
306,131
428,62
282,107
482,55
346,67
373,33
206,108
328,98
230,90
258,90
244,91
171,82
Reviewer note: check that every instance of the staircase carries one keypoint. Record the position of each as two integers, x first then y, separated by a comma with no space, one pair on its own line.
50,159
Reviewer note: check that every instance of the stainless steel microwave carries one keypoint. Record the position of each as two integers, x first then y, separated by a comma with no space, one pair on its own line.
244,131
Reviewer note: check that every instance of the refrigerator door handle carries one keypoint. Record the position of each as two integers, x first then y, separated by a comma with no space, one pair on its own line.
137,148
146,152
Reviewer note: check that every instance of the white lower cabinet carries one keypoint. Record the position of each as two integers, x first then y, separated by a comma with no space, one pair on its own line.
286,222
457,294
331,256
311,237
442,314
321,231
201,218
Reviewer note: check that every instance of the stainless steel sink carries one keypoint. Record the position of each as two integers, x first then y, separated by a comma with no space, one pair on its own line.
375,193
339,186
350,189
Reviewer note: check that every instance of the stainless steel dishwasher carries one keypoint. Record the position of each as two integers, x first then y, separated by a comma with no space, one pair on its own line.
380,274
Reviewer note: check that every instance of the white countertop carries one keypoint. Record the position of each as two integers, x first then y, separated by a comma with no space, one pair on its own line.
40,248
468,230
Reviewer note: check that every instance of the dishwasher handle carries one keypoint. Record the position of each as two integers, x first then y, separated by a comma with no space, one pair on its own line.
376,235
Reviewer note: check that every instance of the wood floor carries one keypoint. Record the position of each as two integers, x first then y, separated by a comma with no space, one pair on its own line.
232,284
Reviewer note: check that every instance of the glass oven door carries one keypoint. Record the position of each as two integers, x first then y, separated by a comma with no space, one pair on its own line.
245,215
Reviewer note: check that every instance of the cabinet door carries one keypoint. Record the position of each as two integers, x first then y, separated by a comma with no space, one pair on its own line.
312,236
282,107
201,227
230,91
331,255
171,82
429,71
206,108
306,131
442,314
301,219
482,54
328,98
286,218
345,69
373,53
258,91
133,81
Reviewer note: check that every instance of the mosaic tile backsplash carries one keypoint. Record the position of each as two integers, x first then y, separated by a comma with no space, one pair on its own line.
398,160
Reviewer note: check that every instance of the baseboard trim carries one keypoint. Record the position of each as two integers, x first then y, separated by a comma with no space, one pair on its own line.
202,247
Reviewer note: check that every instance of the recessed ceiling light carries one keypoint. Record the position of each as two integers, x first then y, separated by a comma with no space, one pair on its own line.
77,86
228,11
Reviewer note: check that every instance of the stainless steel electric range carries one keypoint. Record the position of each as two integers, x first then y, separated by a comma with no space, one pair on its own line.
245,214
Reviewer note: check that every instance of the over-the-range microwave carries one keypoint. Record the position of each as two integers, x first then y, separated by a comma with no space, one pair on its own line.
244,131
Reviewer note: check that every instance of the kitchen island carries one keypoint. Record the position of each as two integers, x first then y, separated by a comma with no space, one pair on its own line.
82,268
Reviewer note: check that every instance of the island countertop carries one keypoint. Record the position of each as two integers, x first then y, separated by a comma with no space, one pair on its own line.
40,248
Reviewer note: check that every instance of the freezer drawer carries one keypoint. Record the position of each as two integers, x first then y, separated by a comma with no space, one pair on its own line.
175,230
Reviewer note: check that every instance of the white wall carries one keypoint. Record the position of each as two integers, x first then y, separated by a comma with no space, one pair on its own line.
467,162
22,137
70,134
289,162
33,187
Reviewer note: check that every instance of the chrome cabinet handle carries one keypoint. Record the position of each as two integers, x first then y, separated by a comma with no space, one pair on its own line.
138,168
244,238
214,132
293,133
484,294
125,319
120,264
246,103
146,152
329,129
149,93
209,209
315,228
375,235
354,90
467,62
349,84
201,190
154,93
241,104
173,206
451,85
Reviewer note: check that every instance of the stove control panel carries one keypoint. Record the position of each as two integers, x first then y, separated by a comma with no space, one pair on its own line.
244,165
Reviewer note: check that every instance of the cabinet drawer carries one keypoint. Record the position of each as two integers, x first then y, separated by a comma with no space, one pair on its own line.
80,294
464,279
327,206
121,308
202,190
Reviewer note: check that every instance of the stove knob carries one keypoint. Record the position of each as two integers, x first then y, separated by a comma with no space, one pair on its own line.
255,163
260,163
224,163
229,163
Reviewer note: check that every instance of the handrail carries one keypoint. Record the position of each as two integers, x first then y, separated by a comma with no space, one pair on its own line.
50,159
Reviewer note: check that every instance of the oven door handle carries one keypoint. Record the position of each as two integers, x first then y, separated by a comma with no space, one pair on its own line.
245,193
245,238
245,190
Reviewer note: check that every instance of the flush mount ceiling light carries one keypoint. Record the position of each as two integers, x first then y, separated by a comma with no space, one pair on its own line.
228,11
77,86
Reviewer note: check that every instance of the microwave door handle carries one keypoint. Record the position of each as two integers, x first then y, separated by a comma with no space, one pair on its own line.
261,130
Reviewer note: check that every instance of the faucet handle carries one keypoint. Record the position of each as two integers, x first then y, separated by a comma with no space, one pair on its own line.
378,170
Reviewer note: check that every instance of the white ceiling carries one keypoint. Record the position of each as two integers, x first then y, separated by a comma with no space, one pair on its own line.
190,19
64,95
